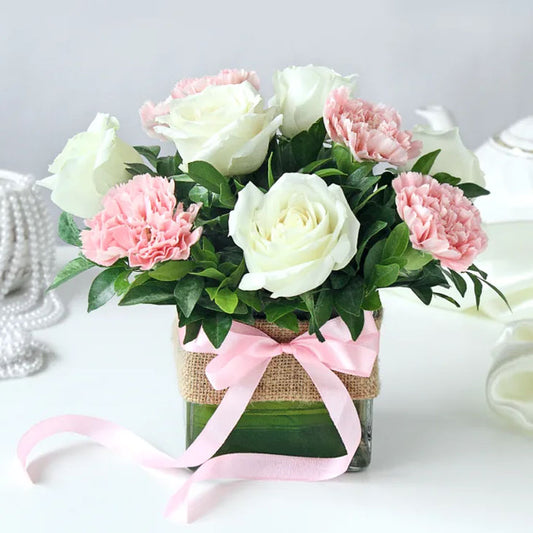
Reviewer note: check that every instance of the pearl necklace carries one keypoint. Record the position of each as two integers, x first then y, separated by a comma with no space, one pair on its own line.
26,269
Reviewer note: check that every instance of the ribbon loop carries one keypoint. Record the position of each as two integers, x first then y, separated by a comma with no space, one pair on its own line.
238,367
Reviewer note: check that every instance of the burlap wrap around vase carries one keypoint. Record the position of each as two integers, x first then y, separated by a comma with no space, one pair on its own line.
284,379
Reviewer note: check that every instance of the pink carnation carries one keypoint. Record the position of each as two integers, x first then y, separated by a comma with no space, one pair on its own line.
141,221
441,219
149,111
371,131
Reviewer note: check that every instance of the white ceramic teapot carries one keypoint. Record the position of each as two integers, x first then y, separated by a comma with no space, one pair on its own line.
507,160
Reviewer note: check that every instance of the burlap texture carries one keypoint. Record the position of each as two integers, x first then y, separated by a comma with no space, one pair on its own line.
283,380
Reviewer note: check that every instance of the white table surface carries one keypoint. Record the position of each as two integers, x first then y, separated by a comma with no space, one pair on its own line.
442,461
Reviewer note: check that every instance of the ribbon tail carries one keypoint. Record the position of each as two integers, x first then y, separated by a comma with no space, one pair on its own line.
127,444
264,466
112,436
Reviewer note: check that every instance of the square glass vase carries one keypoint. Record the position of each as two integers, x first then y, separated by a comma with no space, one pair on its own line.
286,428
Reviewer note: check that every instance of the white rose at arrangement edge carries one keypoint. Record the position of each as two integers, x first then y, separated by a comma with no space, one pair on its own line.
455,158
90,164
294,235
301,93
225,125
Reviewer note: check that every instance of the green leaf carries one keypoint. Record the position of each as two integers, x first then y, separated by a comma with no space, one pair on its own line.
443,177
478,288
140,279
370,231
235,277
416,259
150,292
187,292
181,178
103,288
150,153
367,199
498,292
216,328
207,176
211,273
323,307
70,270
348,303
327,172
373,258
191,331
67,230
372,301
309,302
400,261
227,300
166,166
424,293
343,158
122,284
275,310
361,179
458,281
397,241
314,165
424,164
471,190
338,280
251,299
199,194
307,144
288,321
172,270
447,298
385,275
135,169
474,268
270,176
226,197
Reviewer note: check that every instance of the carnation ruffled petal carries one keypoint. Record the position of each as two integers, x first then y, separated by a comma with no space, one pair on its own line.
441,219
371,131
140,221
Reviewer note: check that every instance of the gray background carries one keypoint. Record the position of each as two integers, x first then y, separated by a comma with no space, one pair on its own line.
61,61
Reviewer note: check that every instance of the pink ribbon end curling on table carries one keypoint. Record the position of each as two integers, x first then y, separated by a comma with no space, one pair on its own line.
238,367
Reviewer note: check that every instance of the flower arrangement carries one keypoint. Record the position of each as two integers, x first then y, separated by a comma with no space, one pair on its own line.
303,209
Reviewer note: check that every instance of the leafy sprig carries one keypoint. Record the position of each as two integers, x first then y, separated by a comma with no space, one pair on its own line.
205,288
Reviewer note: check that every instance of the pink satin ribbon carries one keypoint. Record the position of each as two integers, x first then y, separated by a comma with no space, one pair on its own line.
239,366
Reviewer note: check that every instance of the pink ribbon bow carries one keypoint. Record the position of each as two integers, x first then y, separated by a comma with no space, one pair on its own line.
239,366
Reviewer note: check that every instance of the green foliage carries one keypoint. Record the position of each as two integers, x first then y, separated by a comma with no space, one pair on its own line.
150,153
70,270
187,292
67,230
471,190
103,287
424,164
150,291
205,287
216,328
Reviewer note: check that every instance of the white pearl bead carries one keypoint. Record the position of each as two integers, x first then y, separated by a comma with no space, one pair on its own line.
26,270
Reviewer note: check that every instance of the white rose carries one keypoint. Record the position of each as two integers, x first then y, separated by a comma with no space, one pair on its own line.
301,93
454,158
224,125
90,164
294,235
